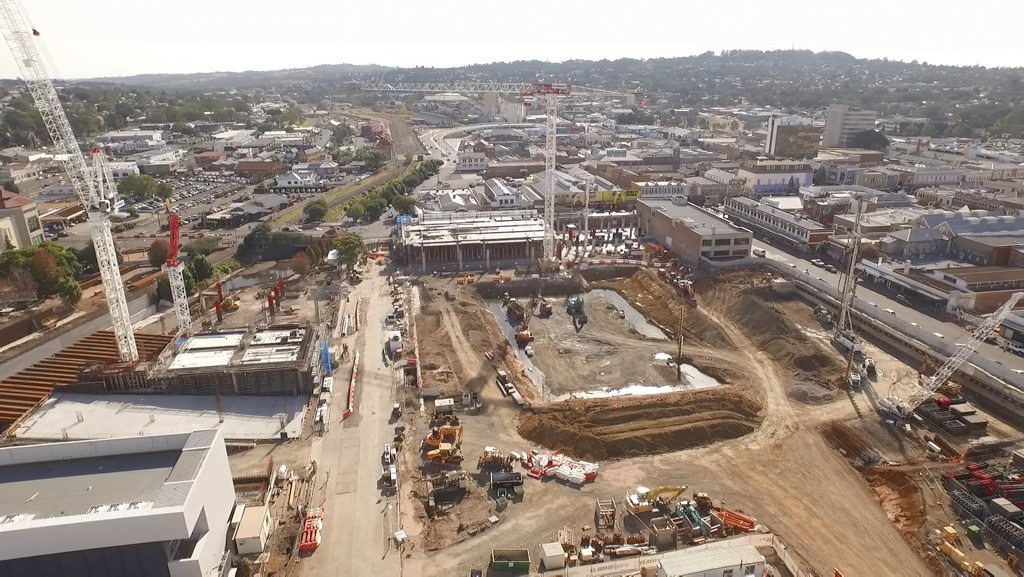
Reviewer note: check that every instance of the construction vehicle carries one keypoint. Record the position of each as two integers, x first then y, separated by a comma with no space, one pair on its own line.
644,500
446,454
445,434
93,183
844,335
493,458
904,407
505,480
854,380
389,467
823,314
869,367
574,306
444,487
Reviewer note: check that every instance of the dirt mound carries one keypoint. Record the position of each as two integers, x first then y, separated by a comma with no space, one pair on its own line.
769,328
660,303
615,428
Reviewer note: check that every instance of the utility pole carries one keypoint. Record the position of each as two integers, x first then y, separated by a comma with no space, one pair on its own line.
679,339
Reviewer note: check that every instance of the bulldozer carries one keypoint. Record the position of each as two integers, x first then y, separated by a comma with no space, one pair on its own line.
445,434
644,500
445,454
493,458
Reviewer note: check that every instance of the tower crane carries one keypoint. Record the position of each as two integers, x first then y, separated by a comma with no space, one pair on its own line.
93,182
844,334
551,92
175,269
904,407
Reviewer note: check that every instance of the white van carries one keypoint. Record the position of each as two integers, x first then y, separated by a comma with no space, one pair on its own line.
758,252
1014,347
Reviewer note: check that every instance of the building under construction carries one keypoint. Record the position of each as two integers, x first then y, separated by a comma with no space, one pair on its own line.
275,360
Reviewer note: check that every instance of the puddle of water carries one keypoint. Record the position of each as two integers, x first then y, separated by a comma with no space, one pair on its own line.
535,374
633,316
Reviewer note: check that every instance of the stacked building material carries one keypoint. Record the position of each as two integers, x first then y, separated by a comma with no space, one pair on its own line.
544,463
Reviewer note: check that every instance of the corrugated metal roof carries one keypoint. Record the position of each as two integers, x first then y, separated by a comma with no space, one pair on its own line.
22,392
695,561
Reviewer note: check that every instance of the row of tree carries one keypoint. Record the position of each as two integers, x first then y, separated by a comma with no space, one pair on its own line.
47,270
393,193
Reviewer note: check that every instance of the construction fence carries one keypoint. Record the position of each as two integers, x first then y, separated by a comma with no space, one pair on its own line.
634,565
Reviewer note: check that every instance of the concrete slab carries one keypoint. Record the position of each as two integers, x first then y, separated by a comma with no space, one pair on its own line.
105,416
345,483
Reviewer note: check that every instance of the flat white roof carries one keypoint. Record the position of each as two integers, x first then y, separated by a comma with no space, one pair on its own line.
106,416
201,358
273,337
214,341
263,355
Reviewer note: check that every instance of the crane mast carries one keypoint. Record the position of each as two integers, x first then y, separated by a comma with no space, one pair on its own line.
844,334
551,92
175,271
905,407
93,182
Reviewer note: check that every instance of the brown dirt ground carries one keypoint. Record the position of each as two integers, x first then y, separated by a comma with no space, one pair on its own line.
620,427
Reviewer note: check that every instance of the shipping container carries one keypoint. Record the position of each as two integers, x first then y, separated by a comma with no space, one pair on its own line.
510,560
1004,508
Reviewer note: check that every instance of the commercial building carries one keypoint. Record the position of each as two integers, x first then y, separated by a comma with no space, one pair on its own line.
691,232
473,156
474,239
499,196
133,140
736,561
843,122
159,162
122,170
704,191
768,177
793,229
660,189
981,289
22,227
157,505
239,213
325,169
792,137
513,169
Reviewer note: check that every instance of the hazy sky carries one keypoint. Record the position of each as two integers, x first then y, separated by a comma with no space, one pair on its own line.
121,37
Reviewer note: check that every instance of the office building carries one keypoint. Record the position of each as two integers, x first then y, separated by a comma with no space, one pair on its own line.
844,122
152,506
690,231
793,229
792,137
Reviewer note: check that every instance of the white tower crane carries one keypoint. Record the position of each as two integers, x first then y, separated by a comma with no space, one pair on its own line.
844,334
904,407
93,183
551,92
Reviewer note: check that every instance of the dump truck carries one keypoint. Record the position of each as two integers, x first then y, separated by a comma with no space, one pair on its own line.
505,480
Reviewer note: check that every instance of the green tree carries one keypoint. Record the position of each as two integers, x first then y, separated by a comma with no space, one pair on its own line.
734,125
45,270
13,187
202,246
870,139
201,267
350,247
158,252
182,128
138,185
820,176
929,130
792,188
355,210
404,204
315,211
69,290
164,190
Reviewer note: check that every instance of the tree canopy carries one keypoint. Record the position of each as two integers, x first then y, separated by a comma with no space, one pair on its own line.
315,211
870,139
158,252
350,247
143,186
53,269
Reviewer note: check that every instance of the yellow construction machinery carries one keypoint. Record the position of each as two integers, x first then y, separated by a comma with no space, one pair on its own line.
445,454
493,458
445,434
644,500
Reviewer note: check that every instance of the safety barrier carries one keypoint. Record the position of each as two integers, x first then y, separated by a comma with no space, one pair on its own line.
352,388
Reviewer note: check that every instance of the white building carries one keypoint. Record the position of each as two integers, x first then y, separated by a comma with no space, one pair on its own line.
500,196
470,160
124,507
844,122
134,140
737,561
122,170
298,178
661,189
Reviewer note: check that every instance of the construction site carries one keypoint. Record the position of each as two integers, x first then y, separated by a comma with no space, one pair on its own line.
598,383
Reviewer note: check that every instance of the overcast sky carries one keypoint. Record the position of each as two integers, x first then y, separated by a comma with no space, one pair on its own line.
122,37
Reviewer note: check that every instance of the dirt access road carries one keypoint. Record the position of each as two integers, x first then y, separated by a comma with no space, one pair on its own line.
358,521
784,473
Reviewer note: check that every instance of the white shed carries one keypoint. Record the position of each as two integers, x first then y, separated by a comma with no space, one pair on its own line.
253,530
552,556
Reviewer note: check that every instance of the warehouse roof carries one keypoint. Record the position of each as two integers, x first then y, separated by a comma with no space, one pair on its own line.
693,217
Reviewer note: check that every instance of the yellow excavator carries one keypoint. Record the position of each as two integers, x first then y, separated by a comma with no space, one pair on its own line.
493,458
445,454
644,500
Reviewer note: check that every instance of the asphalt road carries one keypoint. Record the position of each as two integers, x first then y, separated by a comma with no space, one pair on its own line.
928,319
